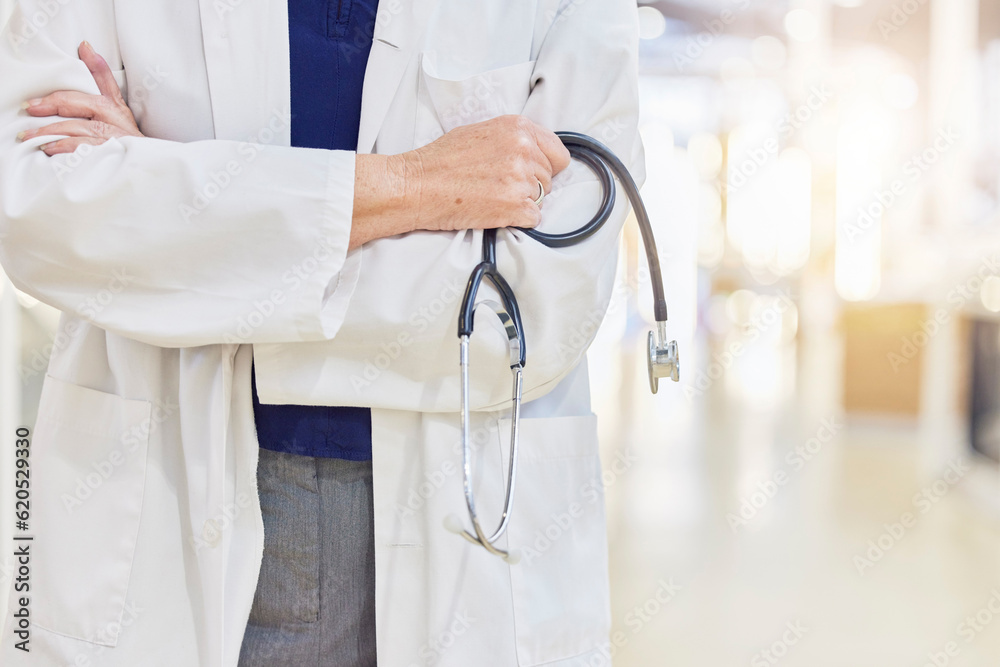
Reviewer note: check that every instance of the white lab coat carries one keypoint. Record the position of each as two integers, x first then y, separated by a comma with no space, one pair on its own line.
178,259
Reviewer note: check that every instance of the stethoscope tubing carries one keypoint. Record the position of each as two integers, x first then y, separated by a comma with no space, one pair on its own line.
606,166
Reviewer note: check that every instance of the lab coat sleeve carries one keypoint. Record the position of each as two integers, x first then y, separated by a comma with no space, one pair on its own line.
399,347
174,244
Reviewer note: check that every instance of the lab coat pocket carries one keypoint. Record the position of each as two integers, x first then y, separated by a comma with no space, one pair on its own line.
560,586
450,97
88,472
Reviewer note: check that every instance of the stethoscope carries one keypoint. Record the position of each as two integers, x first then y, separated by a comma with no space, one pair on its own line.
663,359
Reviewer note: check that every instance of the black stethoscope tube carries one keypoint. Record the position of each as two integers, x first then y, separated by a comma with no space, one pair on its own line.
606,165
487,270
664,360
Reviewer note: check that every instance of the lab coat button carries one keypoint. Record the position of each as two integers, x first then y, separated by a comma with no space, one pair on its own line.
210,533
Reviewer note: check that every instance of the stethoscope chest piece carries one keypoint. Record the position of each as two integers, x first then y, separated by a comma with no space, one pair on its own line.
664,359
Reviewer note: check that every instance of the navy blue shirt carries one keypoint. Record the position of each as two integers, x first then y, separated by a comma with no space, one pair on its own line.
329,42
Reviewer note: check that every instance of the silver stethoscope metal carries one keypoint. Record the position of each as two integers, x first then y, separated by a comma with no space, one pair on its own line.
663,359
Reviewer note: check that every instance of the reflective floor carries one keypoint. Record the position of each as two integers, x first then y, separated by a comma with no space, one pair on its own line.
756,527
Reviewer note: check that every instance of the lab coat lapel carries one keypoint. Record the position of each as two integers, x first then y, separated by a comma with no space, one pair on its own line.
399,28
246,53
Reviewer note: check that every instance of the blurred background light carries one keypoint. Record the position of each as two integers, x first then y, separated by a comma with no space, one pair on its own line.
900,91
706,152
802,25
858,267
990,294
652,23
769,53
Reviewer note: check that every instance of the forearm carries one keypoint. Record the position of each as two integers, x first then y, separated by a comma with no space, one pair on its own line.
382,205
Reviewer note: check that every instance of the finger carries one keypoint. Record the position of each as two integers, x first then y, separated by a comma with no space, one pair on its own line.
533,192
68,104
543,176
531,215
524,216
68,145
99,69
552,147
75,128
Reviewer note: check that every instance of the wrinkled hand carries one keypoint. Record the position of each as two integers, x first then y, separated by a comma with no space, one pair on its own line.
478,176
94,118
485,175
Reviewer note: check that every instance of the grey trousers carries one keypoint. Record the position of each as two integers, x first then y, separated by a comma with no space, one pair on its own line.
315,599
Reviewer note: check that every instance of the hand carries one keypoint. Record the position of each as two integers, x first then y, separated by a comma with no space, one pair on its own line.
95,118
477,176
484,175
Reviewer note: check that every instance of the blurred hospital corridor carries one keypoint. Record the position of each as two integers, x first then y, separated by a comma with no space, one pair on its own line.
758,525
822,488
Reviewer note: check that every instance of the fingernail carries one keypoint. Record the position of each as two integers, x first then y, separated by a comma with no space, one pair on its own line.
21,136
31,103
45,147
87,44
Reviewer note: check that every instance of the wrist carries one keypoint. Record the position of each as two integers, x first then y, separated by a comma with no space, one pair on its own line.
405,176
381,205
